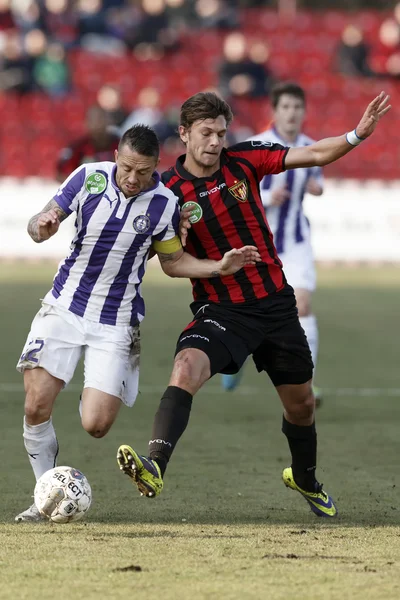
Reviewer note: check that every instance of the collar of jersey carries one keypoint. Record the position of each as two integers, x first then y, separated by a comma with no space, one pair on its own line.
285,142
155,176
183,174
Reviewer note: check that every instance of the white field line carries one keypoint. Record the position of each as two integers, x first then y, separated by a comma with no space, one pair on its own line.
18,388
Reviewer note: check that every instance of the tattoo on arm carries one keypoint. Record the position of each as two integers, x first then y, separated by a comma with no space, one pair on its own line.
32,229
163,258
52,205
214,274
32,225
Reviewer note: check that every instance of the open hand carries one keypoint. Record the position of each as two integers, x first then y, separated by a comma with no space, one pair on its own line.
279,196
236,259
375,111
47,224
313,187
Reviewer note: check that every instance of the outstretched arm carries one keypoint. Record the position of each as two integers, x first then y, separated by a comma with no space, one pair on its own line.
182,264
328,150
46,223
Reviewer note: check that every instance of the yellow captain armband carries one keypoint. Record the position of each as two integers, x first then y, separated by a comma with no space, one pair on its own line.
167,246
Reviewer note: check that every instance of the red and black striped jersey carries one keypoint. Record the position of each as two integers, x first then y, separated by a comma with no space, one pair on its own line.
228,213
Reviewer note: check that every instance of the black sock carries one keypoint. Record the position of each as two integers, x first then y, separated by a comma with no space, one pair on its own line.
169,424
303,447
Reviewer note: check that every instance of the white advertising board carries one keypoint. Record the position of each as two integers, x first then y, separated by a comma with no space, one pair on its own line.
19,201
356,222
350,222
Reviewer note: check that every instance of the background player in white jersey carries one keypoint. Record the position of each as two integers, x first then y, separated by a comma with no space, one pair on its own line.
282,196
95,305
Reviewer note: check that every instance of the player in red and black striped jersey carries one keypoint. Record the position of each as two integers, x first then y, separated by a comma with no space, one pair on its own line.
252,312
227,209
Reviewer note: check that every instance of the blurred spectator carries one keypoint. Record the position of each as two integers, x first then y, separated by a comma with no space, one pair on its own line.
35,43
28,15
50,72
91,18
153,29
243,73
94,32
15,67
7,20
218,14
109,99
148,110
353,53
61,22
387,58
181,14
98,145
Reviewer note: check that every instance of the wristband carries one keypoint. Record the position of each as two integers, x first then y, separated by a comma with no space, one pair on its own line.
353,139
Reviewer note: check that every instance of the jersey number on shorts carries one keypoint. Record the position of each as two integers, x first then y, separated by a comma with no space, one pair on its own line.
31,352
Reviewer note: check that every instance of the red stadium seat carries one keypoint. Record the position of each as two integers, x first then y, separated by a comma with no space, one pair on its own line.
301,49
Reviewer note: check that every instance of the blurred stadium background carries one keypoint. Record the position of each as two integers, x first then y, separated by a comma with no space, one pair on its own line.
138,60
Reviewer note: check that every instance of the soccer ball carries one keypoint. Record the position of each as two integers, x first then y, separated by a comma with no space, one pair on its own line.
63,494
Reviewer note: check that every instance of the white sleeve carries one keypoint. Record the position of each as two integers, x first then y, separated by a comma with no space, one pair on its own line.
69,193
318,175
266,197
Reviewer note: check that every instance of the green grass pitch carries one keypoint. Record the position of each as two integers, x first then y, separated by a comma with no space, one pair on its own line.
225,526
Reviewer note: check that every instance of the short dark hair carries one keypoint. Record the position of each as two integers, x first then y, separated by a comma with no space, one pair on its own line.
204,105
142,139
293,89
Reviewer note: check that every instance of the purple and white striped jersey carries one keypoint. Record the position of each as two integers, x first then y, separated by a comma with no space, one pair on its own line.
101,278
288,222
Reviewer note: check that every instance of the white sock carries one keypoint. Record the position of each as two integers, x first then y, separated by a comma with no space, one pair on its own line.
41,445
310,326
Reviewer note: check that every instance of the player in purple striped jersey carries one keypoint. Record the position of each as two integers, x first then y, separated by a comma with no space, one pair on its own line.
95,306
282,196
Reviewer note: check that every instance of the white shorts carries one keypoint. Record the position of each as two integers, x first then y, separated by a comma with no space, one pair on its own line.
58,338
298,266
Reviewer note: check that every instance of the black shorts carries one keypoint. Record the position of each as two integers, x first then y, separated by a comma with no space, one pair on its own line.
269,329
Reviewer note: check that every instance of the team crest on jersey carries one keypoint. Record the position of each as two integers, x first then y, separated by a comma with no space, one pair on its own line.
197,211
239,190
141,224
95,183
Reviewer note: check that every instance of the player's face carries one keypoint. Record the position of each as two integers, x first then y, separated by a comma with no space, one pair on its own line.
134,171
289,115
204,142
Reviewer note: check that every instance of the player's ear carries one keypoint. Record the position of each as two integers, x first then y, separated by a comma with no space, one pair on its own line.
183,134
116,155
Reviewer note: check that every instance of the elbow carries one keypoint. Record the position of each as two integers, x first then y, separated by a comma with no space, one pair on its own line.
320,160
169,270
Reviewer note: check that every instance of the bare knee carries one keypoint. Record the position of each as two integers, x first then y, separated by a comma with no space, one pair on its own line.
299,404
38,405
191,370
96,429
98,411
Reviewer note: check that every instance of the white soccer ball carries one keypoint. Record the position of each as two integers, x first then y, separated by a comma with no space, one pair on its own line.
63,494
